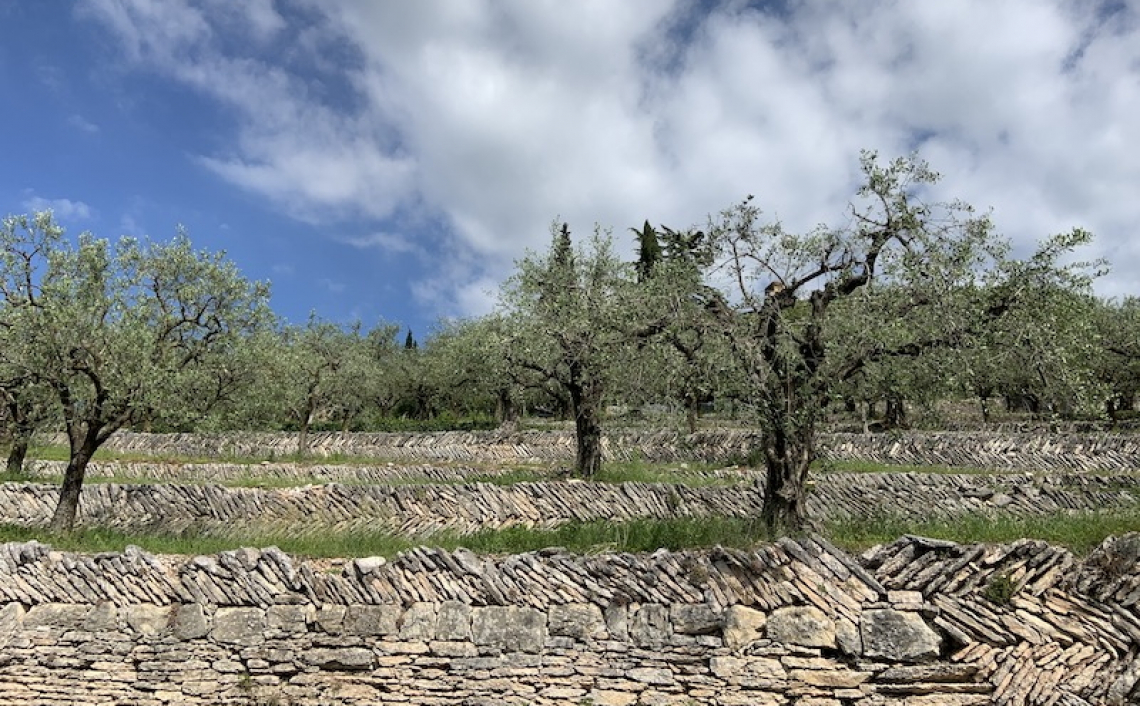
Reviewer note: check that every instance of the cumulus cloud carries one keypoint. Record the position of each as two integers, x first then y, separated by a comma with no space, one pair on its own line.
495,117
64,209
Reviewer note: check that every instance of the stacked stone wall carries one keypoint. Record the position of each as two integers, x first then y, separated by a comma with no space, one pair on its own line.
1036,451
916,623
422,510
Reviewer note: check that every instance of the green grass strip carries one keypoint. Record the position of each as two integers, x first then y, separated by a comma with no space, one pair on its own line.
1080,532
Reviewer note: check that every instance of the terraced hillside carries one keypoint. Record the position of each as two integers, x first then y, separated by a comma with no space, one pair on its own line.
913,621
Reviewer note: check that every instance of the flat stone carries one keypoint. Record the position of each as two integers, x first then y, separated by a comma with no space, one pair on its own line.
607,697
901,636
103,617
370,620
652,676
148,619
62,615
806,626
419,622
458,648
929,673
698,619
649,626
349,658
743,626
842,678
289,619
189,622
581,621
240,625
510,628
454,621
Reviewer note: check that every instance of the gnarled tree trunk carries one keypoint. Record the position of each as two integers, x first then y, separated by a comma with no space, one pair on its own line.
82,449
585,402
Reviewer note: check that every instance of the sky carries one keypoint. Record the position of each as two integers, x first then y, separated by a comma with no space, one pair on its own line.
392,160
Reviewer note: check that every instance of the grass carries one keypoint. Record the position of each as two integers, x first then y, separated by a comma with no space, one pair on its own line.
583,537
59,452
692,474
1080,532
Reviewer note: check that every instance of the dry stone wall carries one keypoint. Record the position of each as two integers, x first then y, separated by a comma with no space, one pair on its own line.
1034,451
915,623
421,510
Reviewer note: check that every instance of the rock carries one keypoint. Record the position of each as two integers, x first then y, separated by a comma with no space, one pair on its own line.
652,676
898,635
847,638
148,619
419,622
289,619
606,697
11,619
453,649
581,621
350,658
190,622
509,628
63,615
241,625
453,621
698,619
742,626
330,618
370,620
1000,500
806,626
649,626
104,616
617,621
835,678
367,565
1124,686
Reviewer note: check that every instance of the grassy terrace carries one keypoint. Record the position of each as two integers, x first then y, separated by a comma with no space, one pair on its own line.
1080,532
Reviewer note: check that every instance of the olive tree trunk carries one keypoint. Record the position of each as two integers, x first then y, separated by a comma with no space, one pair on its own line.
66,509
585,402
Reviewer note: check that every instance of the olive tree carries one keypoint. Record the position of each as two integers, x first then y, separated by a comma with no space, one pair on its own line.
571,316
25,408
914,275
121,334
1117,363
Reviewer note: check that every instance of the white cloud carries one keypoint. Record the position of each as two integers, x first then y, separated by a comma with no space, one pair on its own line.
496,117
389,242
64,209
83,124
332,286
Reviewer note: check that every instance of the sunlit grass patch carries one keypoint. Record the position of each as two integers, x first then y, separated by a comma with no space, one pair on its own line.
1079,531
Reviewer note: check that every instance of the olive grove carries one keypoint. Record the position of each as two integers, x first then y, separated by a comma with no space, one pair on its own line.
900,278
121,335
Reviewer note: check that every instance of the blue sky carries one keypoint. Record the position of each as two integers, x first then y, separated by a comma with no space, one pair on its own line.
391,160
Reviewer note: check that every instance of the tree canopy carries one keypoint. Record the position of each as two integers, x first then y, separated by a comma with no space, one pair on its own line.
126,334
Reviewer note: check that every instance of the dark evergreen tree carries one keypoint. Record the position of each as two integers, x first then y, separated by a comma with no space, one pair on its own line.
649,251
